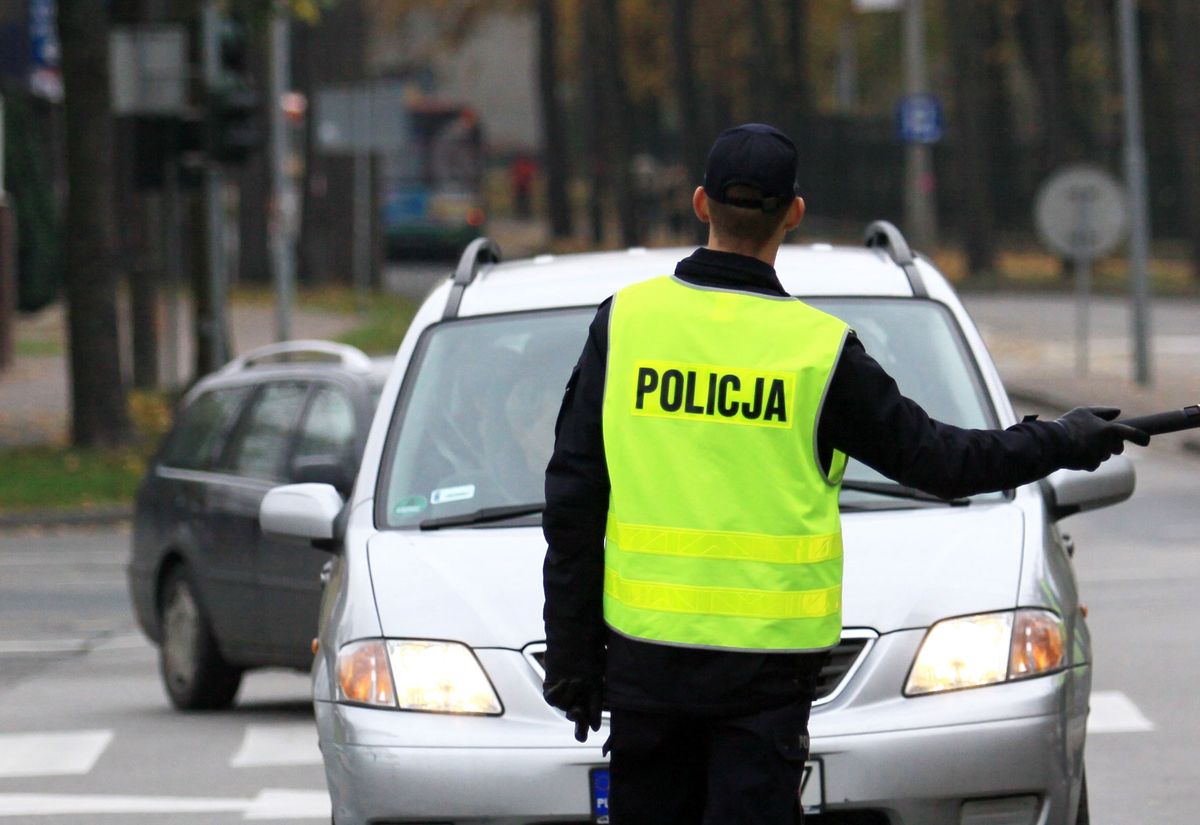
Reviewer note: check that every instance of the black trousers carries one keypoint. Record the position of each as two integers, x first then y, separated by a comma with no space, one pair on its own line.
690,770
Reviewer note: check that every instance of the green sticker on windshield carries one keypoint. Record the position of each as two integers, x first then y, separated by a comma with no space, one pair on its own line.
410,506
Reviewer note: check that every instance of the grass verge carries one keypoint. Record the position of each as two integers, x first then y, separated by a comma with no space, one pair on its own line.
382,325
52,477
61,477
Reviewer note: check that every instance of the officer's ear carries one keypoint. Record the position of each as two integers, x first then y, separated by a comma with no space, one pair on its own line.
700,204
795,213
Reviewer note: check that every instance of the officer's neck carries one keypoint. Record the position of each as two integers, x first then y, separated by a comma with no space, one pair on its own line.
765,253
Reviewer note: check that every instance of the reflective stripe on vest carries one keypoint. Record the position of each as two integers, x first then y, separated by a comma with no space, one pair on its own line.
723,530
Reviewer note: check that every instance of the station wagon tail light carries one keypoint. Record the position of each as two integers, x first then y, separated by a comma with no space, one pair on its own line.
364,676
987,649
441,677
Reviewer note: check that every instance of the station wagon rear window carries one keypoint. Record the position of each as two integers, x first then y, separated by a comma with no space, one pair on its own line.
202,428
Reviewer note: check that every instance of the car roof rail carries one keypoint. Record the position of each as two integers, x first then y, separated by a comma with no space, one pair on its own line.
349,357
478,252
884,235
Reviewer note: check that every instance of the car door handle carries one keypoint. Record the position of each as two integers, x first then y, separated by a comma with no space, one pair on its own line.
326,571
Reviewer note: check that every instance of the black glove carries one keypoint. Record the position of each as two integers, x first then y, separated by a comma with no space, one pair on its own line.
1095,437
581,697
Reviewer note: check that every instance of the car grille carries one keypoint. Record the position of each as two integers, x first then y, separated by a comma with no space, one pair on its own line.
843,660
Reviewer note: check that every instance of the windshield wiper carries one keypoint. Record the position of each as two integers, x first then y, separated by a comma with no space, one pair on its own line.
484,515
889,488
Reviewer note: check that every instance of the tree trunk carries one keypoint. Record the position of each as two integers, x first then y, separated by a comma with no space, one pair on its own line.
798,96
145,274
617,137
692,131
1185,17
254,177
98,412
593,112
971,41
764,94
554,138
1046,39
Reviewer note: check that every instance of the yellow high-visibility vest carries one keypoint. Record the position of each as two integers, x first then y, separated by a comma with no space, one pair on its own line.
723,528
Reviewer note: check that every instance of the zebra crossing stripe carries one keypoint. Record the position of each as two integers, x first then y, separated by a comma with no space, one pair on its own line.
1114,712
65,753
269,804
284,743
29,804
289,804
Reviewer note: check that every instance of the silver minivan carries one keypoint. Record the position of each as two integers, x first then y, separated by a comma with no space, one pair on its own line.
959,692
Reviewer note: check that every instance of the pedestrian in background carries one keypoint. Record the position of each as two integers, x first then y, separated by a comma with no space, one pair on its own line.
694,563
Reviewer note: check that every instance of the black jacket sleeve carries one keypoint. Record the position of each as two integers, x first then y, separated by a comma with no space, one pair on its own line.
867,417
576,509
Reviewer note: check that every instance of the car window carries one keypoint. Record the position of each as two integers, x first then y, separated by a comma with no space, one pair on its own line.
262,440
474,426
202,426
329,427
921,346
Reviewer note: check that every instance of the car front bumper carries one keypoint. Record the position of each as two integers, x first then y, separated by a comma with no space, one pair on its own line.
1002,755
386,766
1009,754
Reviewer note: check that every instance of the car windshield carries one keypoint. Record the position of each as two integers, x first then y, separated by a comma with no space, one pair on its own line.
920,345
474,426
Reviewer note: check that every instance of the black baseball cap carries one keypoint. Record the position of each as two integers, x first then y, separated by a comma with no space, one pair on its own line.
757,155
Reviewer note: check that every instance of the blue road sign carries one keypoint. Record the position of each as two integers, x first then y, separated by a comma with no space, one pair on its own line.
45,78
919,119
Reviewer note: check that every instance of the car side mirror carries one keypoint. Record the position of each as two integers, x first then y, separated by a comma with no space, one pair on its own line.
303,511
323,469
1077,491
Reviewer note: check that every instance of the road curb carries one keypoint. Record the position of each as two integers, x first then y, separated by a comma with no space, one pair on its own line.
65,518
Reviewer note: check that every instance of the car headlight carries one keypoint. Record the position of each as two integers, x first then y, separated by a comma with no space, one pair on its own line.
364,675
411,674
987,649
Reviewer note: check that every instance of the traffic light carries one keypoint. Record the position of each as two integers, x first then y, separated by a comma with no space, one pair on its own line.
236,131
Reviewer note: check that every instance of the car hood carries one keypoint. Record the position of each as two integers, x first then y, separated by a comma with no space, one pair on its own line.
903,568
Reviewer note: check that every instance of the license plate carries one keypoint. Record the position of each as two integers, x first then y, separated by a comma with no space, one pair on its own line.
598,779
812,787
812,790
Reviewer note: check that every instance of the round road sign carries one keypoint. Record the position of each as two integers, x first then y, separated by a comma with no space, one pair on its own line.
1081,212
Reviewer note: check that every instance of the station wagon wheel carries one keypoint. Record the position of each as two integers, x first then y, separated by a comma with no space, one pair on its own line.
192,670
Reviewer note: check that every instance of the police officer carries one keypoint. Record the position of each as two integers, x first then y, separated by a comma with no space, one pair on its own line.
694,482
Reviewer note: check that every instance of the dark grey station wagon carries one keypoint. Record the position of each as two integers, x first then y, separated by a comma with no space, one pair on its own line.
215,594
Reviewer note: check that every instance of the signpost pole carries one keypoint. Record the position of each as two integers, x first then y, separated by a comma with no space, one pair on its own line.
919,218
172,249
283,263
214,213
1135,181
1083,299
362,198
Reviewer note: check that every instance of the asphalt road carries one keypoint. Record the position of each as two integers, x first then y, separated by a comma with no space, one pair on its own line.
86,735
1139,570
